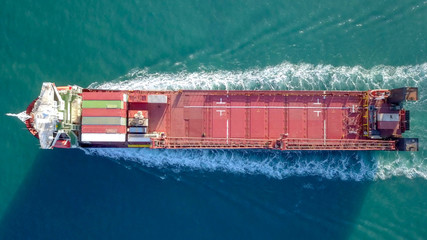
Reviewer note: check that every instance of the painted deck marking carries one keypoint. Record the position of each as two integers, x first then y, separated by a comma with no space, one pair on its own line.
317,112
220,112
220,101
324,132
317,102
227,131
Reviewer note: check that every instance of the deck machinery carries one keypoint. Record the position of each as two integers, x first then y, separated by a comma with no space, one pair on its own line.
70,117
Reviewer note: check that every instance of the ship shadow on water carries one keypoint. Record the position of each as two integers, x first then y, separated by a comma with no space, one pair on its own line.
72,195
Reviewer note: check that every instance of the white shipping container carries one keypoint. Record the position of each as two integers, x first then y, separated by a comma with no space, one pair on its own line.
157,99
103,137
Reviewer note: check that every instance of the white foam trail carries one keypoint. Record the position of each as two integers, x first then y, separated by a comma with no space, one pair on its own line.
331,165
259,162
286,76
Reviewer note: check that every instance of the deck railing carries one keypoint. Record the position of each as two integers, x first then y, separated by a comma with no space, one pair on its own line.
210,143
284,144
337,144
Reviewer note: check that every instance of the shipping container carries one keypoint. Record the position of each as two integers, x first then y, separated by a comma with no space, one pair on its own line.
120,96
103,137
157,99
103,121
135,122
139,98
138,138
101,112
103,129
103,104
139,145
137,130
390,117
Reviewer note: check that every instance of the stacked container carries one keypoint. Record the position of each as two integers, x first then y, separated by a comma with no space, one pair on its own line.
138,124
103,117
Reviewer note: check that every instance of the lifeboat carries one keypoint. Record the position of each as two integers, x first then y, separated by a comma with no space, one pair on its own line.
379,94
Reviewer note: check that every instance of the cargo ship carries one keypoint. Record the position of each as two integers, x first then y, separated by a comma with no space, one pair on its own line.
74,117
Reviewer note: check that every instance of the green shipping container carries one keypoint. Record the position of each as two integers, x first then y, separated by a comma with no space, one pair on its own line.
102,104
103,121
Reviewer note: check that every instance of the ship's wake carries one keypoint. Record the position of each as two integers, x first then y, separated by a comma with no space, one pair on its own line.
356,166
285,76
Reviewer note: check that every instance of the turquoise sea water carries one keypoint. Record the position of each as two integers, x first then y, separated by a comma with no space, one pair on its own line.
158,194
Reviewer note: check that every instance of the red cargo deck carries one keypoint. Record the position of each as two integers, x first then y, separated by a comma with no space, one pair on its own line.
287,120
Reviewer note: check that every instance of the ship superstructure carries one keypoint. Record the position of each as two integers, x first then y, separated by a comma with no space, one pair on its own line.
70,117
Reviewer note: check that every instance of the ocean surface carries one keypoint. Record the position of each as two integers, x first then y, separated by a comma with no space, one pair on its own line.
210,194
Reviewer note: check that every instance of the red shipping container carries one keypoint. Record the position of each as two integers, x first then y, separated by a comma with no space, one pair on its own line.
101,112
103,129
138,98
103,96
131,113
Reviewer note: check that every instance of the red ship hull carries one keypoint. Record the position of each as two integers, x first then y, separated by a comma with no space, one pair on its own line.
282,120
